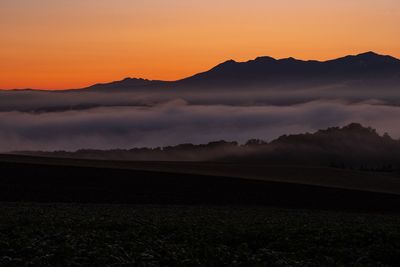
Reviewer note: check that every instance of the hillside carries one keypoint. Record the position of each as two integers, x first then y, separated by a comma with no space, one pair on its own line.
352,146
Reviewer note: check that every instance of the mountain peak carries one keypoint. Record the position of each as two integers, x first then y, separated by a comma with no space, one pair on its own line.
230,61
225,64
264,59
375,56
127,82
369,54
367,59
289,59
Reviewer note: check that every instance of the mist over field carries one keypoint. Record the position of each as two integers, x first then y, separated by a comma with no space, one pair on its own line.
42,101
177,122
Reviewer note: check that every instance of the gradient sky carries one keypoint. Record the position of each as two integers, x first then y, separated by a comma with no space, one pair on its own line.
54,44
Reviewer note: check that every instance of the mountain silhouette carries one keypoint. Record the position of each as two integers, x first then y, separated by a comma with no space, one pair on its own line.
270,71
367,77
361,69
125,83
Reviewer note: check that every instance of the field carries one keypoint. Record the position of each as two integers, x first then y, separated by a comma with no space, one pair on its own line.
65,212
122,235
298,174
31,179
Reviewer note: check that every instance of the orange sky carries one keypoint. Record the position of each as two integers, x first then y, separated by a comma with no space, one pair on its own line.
54,44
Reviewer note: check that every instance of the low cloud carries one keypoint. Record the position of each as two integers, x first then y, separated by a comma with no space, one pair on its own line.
44,101
177,122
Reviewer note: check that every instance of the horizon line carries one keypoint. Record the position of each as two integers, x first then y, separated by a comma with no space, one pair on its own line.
176,80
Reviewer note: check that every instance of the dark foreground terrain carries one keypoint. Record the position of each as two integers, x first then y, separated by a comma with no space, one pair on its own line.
115,235
32,179
66,212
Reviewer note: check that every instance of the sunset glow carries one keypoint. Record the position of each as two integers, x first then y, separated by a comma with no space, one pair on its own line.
55,44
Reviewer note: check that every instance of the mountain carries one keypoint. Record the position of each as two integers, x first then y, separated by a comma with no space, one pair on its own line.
266,71
269,71
367,77
123,84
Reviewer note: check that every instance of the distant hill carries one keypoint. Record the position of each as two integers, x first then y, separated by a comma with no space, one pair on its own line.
124,84
351,146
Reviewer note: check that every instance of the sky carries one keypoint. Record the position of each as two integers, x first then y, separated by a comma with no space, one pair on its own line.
59,44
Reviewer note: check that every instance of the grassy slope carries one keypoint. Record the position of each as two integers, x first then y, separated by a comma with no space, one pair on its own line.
308,175
61,180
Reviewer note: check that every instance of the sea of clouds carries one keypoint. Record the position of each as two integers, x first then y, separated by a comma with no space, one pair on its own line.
177,121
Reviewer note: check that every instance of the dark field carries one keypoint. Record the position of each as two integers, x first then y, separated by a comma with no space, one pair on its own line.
78,181
95,213
115,235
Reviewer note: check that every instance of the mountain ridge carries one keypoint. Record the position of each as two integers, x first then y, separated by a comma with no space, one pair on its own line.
260,70
363,62
266,70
